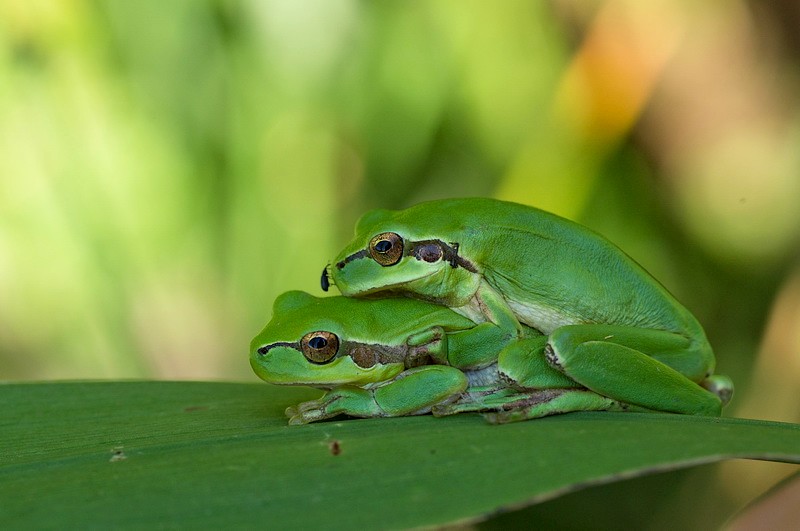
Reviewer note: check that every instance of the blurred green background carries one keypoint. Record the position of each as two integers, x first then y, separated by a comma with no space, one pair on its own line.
168,168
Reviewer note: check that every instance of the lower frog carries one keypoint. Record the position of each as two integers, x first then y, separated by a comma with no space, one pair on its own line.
399,356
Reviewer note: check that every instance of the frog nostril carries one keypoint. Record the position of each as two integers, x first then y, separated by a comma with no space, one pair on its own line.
263,350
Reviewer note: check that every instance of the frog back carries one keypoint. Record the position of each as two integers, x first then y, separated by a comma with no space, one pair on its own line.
387,321
552,271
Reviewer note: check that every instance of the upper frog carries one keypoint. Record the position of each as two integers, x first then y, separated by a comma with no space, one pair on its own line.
509,264
550,271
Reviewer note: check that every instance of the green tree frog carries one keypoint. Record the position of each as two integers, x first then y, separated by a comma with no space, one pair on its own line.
610,325
400,356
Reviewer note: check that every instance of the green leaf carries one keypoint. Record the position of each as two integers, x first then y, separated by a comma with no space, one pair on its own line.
141,454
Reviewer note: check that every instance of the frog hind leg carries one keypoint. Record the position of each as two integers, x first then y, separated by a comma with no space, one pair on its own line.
504,405
479,399
642,367
412,392
556,402
522,364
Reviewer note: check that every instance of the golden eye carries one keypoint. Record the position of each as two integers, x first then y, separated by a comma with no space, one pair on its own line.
386,248
320,346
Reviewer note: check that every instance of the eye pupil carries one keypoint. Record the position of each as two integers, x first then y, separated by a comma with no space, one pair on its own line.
383,246
317,342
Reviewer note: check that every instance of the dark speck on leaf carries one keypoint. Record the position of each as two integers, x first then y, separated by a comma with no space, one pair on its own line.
335,447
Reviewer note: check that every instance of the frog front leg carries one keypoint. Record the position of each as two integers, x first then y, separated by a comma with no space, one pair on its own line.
494,308
412,392
476,347
469,349
654,369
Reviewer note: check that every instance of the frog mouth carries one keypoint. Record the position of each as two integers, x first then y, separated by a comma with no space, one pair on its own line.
393,289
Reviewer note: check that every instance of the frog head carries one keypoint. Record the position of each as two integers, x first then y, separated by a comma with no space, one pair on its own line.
325,343
413,251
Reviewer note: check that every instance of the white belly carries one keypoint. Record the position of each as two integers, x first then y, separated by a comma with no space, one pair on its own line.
543,318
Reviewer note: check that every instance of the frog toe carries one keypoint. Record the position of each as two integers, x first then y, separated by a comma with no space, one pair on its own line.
720,385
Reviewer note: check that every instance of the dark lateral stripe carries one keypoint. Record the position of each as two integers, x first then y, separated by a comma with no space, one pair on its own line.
466,264
363,253
263,350
450,254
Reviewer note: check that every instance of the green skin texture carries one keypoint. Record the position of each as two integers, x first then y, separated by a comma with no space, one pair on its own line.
399,334
610,325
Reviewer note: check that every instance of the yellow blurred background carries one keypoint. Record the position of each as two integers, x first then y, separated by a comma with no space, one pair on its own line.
168,168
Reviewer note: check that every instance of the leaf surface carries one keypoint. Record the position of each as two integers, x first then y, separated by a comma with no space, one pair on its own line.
187,454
